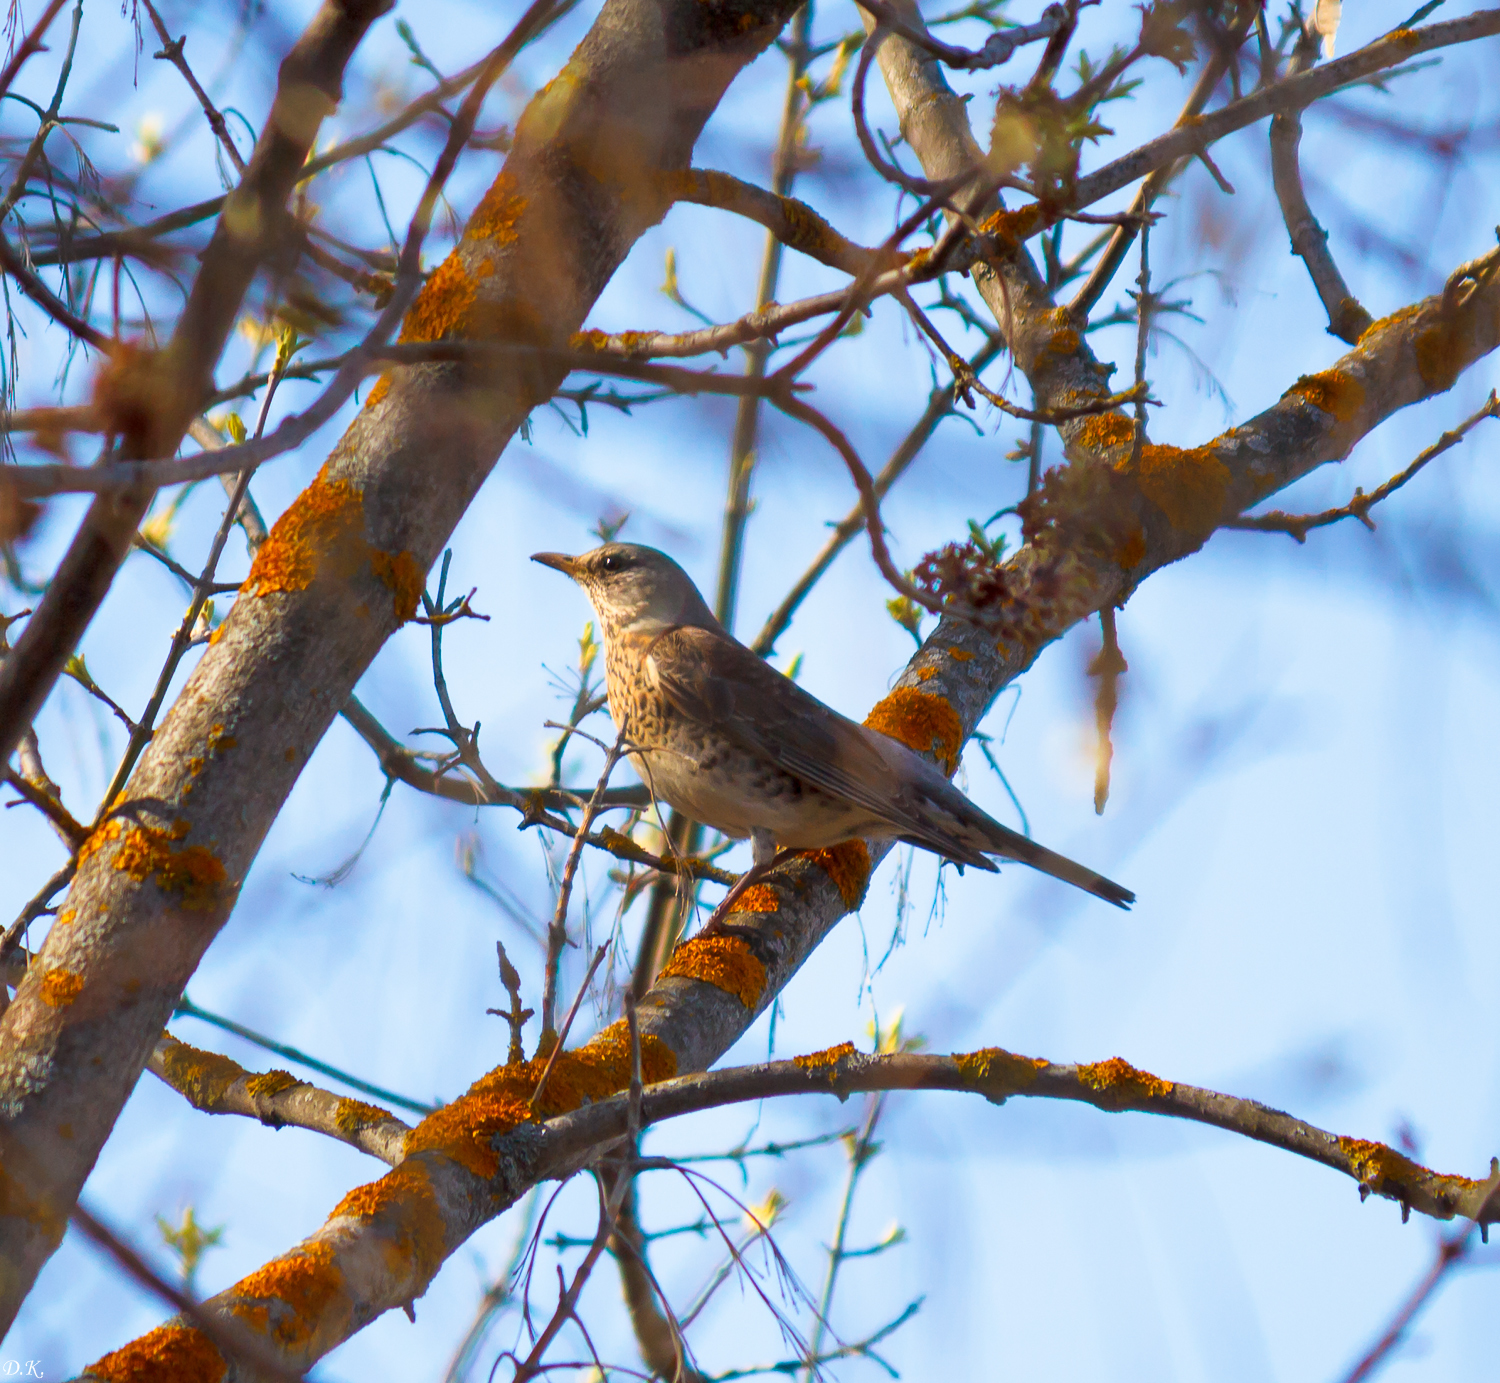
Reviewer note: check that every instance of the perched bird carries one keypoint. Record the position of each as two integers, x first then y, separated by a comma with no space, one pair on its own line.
726,739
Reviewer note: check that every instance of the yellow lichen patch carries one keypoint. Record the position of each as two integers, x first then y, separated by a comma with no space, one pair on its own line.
201,1077
1123,1082
1379,1167
60,987
1399,318
1101,431
1440,352
444,302
1333,391
995,1066
1012,227
1188,485
294,1300
399,573
351,1116
65,918
323,529
926,674
960,655
848,865
192,873
725,962
922,721
403,1205
1063,342
499,1101
271,1083
462,1130
826,1060
168,1354
758,898
498,213
378,391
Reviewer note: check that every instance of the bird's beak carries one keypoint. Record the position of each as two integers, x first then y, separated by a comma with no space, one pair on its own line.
557,561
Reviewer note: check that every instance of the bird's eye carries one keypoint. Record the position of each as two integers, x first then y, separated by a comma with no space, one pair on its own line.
613,562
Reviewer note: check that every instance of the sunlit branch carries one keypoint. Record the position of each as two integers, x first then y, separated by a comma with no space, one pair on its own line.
1298,525
1113,1086
215,1084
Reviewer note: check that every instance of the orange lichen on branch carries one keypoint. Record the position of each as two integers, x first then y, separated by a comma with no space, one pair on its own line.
498,214
270,1083
1103,431
1382,1169
352,1116
444,302
322,530
193,873
294,1300
1121,1082
759,898
1335,392
168,1354
1012,227
378,391
1398,319
60,988
404,1208
401,575
725,962
1441,353
959,655
922,721
995,1066
847,864
501,1100
1189,485
200,1077
827,1060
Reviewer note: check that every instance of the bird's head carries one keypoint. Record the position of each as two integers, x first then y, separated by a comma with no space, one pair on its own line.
634,589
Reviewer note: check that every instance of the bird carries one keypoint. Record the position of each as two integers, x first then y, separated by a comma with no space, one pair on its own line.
730,742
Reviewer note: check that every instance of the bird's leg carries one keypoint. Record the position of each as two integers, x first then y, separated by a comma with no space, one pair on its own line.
766,857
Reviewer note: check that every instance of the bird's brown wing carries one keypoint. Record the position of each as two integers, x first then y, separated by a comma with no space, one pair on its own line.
717,681
708,676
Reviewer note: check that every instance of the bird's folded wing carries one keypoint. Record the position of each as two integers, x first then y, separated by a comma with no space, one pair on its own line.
716,681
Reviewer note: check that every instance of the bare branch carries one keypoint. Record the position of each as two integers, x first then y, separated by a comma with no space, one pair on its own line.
1113,1086
216,1085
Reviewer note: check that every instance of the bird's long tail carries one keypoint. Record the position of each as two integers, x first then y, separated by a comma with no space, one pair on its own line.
965,834
1017,847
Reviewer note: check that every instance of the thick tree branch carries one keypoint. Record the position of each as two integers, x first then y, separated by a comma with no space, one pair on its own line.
343,569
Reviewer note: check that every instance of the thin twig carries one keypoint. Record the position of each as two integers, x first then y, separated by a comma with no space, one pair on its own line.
557,933
562,1035
73,832
171,51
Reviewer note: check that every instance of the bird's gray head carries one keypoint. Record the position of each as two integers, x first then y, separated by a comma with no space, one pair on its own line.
634,589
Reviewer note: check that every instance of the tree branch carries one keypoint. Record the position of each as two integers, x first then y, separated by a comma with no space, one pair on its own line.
215,1084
